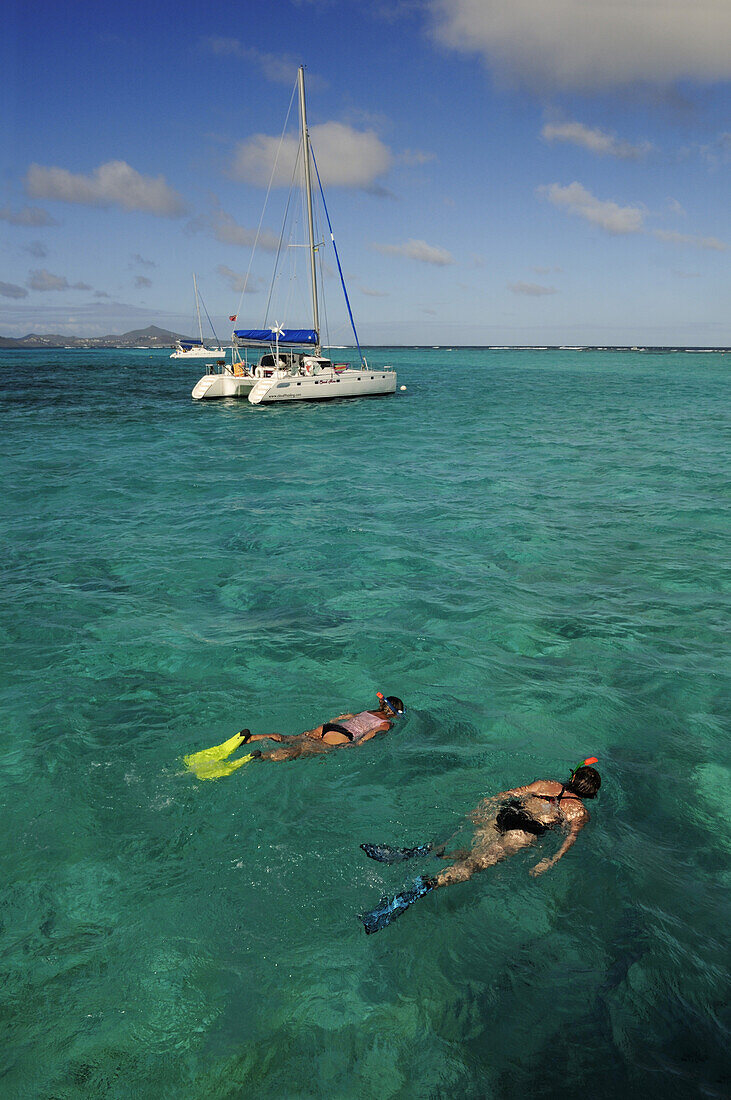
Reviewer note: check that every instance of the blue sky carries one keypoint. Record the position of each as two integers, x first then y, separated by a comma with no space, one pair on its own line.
532,171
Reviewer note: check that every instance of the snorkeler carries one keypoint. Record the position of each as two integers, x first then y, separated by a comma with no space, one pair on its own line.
505,823
346,729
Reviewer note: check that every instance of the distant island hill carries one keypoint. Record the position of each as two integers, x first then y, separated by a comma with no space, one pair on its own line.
154,337
151,337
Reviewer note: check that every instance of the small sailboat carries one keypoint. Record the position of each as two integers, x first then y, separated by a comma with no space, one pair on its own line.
292,364
196,349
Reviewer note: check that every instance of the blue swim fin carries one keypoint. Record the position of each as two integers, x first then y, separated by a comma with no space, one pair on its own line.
388,909
384,853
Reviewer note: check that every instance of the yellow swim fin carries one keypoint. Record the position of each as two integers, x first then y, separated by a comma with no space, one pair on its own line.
218,752
209,763
216,769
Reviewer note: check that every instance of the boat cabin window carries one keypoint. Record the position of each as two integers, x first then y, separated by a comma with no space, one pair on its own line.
315,361
268,360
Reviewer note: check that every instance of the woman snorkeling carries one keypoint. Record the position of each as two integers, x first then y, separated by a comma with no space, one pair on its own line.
504,824
346,729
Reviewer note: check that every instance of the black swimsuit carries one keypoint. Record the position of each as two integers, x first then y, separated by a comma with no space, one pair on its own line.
514,815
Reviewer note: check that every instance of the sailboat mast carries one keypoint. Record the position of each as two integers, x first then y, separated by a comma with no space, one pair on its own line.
308,190
198,308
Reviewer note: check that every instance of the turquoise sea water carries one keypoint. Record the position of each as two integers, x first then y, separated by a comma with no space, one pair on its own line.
527,547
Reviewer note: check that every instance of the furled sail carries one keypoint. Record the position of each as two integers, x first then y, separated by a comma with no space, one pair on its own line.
269,336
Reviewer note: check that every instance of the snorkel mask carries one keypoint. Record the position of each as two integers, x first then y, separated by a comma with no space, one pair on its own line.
386,703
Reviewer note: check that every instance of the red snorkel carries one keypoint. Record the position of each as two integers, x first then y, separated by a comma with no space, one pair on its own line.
584,764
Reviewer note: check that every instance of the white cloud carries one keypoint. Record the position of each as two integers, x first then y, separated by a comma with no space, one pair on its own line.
606,214
10,290
44,280
373,293
418,250
227,230
672,237
27,215
37,249
595,140
591,44
236,281
532,290
142,281
280,68
115,183
718,151
415,157
618,219
345,157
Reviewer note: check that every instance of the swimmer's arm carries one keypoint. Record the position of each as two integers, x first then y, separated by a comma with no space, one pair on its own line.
574,829
374,733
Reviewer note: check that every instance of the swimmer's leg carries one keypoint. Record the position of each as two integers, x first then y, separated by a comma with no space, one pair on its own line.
384,853
297,746
268,737
459,853
480,858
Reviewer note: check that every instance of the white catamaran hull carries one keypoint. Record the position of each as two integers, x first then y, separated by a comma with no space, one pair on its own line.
349,383
223,385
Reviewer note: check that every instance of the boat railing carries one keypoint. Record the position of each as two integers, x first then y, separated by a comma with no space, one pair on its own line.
237,369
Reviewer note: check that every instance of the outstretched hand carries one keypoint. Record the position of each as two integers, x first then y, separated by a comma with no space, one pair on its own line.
544,865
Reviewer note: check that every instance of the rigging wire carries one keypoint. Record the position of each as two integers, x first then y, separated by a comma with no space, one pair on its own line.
337,257
283,230
318,247
321,262
210,322
266,199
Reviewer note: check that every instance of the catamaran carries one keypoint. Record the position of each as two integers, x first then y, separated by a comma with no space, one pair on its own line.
294,367
196,349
